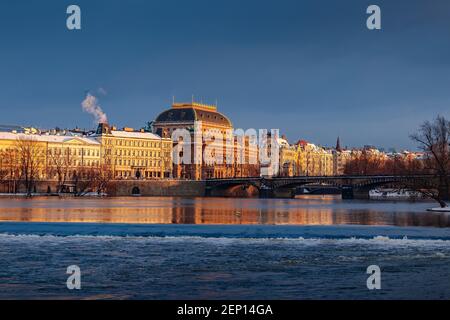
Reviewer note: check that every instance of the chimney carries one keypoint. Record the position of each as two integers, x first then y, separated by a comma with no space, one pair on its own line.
103,128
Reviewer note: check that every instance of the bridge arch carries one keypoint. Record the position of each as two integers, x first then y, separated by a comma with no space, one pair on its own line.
235,188
135,191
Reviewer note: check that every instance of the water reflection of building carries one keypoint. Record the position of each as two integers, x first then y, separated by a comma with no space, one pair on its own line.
212,211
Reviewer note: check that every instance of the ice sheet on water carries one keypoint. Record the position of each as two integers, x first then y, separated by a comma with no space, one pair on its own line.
380,234
377,241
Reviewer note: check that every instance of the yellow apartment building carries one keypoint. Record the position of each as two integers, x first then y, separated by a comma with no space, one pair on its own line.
314,160
135,154
48,153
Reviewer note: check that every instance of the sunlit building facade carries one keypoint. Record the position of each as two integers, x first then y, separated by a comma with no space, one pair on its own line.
207,128
45,156
288,159
313,160
134,154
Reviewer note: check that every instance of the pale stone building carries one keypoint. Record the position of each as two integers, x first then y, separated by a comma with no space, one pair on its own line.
135,154
48,152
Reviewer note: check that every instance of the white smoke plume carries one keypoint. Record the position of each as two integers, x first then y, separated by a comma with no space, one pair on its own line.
102,91
90,105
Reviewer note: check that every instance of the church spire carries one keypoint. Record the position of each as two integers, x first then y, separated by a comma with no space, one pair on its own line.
338,144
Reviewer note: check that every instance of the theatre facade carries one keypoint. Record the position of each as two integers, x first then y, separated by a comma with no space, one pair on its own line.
202,121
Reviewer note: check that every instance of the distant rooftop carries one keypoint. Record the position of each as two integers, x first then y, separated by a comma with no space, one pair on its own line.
45,138
106,129
135,134
9,128
196,105
191,112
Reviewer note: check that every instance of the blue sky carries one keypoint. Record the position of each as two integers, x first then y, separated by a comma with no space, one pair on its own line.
310,68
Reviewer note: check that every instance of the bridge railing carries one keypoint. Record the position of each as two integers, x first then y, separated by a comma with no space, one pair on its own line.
341,177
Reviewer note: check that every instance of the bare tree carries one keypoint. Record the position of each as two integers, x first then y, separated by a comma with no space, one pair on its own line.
104,177
84,180
365,163
105,171
61,162
10,168
434,139
93,179
30,161
3,168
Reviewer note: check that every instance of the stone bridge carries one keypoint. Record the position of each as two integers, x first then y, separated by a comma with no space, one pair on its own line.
352,187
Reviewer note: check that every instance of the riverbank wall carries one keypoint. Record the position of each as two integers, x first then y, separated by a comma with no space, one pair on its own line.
161,188
123,188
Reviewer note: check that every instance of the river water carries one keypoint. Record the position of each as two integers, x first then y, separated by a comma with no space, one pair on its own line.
313,247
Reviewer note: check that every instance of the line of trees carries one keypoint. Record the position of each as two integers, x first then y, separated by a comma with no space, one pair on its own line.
26,162
433,138
366,163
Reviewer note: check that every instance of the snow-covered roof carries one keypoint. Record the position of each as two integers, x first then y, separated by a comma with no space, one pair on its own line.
282,142
45,138
312,146
136,135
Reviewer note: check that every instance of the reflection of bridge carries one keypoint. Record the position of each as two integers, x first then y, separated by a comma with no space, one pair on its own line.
284,187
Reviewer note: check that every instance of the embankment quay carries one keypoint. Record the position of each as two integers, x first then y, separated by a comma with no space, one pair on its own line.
351,187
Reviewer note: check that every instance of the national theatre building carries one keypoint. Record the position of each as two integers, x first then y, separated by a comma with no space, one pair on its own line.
202,121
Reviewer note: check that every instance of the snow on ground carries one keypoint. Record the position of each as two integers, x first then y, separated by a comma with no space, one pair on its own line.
446,209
